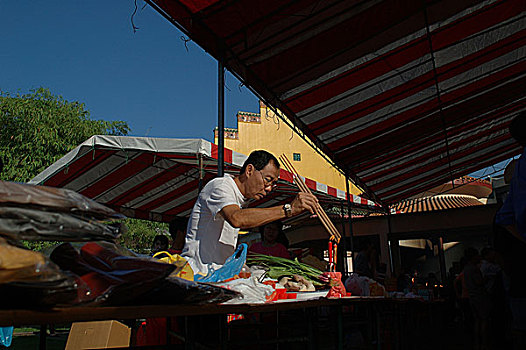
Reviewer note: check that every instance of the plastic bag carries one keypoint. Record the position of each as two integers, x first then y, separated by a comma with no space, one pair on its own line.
19,264
28,279
6,335
183,268
357,285
35,224
251,289
53,199
175,290
230,268
111,277
46,213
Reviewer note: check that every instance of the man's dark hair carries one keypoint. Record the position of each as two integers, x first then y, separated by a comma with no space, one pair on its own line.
278,224
177,224
259,159
161,238
281,238
518,128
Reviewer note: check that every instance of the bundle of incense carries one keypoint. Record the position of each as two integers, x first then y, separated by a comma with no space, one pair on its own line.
327,223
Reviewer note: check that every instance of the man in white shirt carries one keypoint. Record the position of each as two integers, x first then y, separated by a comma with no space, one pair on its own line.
218,213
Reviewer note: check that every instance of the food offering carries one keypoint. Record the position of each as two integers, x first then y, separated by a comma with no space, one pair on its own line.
297,277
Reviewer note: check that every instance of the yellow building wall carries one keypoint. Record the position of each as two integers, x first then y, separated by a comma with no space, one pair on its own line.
264,130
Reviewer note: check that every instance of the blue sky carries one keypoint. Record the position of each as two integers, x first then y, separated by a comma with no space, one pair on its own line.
87,51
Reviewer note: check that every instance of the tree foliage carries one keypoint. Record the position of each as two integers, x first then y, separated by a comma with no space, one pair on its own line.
138,237
38,128
141,233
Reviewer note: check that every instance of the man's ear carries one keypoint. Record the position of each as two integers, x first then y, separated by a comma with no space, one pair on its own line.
250,169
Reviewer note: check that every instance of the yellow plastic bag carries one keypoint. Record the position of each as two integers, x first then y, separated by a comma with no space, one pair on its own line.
183,269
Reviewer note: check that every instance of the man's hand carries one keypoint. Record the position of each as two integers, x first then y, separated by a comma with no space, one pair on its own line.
304,201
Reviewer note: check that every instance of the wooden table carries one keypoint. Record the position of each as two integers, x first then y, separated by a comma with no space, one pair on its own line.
380,320
21,317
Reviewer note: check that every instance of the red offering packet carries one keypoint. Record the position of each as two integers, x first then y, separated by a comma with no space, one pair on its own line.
337,288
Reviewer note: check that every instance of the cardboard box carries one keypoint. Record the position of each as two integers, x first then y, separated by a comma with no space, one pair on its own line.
98,335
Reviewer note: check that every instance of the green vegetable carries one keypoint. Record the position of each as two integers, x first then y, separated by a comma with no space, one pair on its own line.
278,267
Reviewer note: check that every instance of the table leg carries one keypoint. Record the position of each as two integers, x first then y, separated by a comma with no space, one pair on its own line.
43,336
340,327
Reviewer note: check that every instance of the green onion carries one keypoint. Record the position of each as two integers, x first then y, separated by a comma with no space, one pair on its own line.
279,267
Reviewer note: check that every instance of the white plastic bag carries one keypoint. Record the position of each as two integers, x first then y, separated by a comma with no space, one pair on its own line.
357,285
253,292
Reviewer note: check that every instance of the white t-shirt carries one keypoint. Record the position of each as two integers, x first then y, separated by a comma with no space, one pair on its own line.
210,239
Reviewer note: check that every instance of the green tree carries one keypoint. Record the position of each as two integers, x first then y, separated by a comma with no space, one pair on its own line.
141,233
38,128
138,237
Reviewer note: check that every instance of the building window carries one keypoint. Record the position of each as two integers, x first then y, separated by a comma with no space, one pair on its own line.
296,157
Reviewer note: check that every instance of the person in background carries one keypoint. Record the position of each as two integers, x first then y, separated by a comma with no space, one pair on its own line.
364,263
177,230
489,268
269,245
381,272
160,243
403,281
512,214
510,237
462,296
478,298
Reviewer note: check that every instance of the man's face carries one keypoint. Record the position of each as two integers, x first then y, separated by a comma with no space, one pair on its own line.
158,246
270,233
261,182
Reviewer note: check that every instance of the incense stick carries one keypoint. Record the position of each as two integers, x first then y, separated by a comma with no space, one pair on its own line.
327,223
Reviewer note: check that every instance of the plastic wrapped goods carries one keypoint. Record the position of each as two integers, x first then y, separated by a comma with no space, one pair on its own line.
33,224
30,280
18,264
45,213
175,290
111,277
116,279
53,199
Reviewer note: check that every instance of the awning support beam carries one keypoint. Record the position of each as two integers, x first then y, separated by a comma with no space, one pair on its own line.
349,215
220,119
345,267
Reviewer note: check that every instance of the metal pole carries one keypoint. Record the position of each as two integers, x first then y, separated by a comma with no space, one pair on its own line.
220,119
344,241
394,262
42,337
442,260
201,171
349,214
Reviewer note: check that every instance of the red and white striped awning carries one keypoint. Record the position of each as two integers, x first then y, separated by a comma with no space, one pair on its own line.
402,95
158,178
